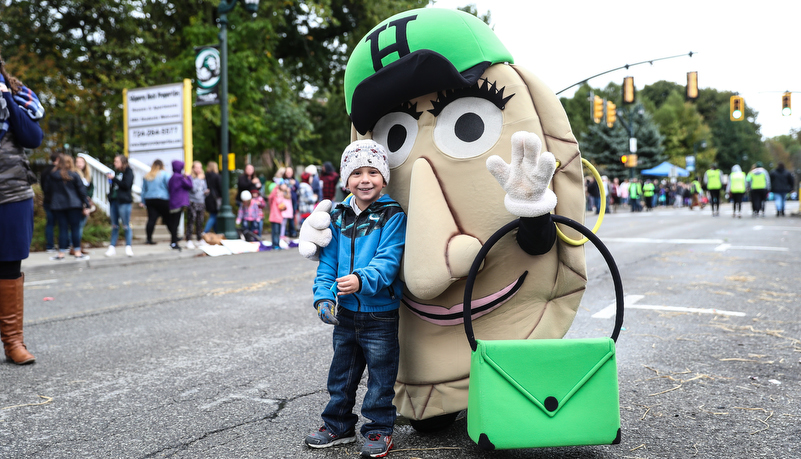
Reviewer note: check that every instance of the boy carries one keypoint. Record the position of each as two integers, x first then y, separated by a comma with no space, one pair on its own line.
358,271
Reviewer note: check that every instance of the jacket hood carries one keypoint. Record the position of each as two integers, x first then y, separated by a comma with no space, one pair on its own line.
177,166
736,168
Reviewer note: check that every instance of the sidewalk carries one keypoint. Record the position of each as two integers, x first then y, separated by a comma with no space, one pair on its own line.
143,253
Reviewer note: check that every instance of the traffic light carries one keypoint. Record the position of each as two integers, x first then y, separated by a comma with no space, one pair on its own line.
611,114
736,108
629,160
597,109
786,109
692,85
628,90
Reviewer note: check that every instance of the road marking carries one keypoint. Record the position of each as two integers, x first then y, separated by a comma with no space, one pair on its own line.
630,300
781,228
643,240
42,282
725,247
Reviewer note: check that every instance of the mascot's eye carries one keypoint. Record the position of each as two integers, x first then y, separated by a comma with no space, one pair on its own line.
468,127
396,132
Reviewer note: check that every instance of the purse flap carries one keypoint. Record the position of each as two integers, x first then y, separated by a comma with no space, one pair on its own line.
547,371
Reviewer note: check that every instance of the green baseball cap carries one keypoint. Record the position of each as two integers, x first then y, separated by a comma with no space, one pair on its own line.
414,53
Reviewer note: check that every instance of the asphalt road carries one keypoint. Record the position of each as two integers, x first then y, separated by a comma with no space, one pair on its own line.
224,358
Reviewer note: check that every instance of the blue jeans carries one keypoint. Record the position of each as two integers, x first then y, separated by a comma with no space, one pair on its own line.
780,199
211,223
254,226
363,339
275,235
120,212
69,224
50,224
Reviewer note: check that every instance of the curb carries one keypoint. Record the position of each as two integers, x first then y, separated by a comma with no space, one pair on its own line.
107,262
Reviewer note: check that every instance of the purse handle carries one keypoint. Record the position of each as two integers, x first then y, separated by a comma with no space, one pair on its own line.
471,277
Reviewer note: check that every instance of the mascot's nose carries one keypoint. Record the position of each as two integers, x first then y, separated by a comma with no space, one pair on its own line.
440,254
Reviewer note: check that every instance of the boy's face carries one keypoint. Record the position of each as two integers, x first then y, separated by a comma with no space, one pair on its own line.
366,184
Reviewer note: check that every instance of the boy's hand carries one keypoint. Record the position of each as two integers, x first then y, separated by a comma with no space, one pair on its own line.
348,284
327,313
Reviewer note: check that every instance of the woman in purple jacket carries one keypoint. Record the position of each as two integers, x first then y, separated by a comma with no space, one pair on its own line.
179,185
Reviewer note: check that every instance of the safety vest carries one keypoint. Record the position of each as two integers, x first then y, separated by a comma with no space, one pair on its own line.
648,190
697,187
758,181
713,179
635,190
737,182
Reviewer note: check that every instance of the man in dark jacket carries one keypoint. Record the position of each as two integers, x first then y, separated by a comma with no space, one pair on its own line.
781,183
50,221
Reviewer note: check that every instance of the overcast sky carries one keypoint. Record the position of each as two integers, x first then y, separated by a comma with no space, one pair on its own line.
750,48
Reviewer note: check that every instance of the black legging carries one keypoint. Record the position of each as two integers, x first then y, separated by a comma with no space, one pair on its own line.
156,208
10,269
737,198
757,198
714,199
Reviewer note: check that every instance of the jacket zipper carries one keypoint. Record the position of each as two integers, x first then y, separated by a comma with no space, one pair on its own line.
352,257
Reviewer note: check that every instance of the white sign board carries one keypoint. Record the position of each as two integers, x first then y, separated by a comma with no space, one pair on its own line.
155,121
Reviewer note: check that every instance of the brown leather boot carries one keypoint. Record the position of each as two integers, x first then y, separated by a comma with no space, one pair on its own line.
11,304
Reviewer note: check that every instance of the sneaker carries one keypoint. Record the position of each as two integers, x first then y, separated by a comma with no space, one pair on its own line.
150,242
51,251
190,245
377,445
82,256
128,250
175,246
111,251
322,438
202,243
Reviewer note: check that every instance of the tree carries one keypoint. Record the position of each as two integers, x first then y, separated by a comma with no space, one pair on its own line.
737,142
684,132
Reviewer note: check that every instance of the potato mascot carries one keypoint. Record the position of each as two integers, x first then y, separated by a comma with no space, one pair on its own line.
474,142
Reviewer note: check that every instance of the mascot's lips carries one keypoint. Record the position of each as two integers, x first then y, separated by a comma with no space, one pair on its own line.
438,315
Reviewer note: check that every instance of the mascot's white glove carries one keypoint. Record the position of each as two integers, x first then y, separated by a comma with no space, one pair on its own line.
315,231
526,179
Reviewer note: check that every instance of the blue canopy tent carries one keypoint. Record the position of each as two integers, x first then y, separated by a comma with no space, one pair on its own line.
664,170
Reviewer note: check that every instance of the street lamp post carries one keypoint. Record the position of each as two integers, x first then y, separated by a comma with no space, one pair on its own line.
226,215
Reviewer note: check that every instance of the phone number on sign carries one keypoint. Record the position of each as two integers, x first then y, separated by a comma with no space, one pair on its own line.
157,131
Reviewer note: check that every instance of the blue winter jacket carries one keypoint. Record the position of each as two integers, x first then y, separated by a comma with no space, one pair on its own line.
370,246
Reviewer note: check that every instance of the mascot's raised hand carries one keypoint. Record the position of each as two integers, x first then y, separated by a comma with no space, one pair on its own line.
315,231
526,179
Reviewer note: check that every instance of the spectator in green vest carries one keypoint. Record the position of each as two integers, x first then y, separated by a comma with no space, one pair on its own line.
758,182
648,194
696,190
736,189
635,193
714,183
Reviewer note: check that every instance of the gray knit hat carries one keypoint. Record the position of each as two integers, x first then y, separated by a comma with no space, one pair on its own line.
363,153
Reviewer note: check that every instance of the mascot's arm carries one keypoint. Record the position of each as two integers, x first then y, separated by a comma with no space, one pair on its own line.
315,232
526,181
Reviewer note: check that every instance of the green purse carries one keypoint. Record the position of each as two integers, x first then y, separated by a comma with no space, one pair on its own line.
543,392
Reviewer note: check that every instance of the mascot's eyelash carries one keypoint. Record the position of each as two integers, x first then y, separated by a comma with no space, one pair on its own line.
408,108
487,90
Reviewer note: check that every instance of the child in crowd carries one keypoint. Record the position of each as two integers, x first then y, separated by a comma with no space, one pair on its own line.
250,214
277,207
358,272
197,205
288,213
306,197
260,204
